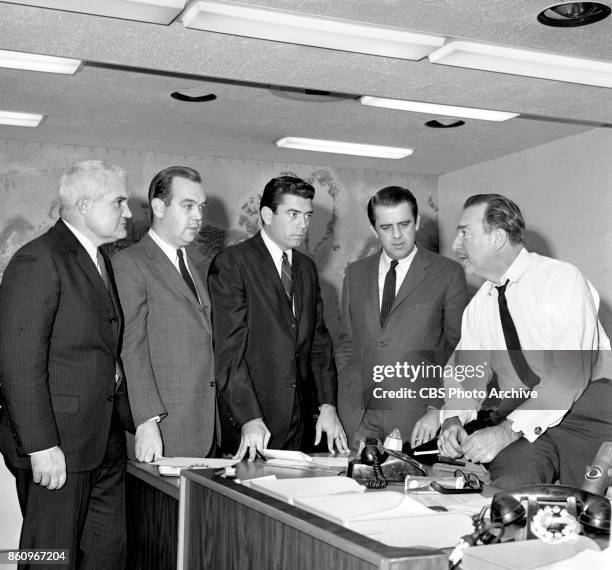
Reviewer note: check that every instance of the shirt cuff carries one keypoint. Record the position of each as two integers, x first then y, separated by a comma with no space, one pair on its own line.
464,416
42,450
533,423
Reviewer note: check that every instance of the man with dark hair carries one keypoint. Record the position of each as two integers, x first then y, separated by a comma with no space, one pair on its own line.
274,357
63,401
401,305
167,344
535,321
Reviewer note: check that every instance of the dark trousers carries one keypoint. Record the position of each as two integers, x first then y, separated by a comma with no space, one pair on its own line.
562,452
86,516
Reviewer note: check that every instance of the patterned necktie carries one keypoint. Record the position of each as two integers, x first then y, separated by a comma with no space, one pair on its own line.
186,275
287,278
513,345
388,293
102,269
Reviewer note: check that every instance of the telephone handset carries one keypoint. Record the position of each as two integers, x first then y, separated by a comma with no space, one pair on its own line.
552,505
375,466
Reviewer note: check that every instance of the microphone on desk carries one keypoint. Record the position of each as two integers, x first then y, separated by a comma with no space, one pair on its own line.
599,474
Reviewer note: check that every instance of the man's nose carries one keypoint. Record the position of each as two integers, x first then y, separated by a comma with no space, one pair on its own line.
127,213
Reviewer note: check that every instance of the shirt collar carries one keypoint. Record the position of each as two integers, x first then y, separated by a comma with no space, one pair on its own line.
516,270
386,260
168,249
89,246
275,251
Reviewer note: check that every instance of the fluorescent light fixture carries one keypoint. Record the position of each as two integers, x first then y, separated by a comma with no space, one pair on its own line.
20,119
35,62
525,62
434,109
303,29
337,147
155,11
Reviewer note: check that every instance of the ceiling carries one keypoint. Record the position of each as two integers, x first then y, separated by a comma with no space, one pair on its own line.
121,97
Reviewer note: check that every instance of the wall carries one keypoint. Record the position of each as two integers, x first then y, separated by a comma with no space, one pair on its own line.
339,234
564,190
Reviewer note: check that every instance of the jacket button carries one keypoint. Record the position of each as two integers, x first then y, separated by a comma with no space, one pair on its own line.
212,384
111,398
537,430
293,385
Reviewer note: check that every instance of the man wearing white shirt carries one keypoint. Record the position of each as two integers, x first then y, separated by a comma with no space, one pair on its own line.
63,401
274,357
167,343
554,431
401,305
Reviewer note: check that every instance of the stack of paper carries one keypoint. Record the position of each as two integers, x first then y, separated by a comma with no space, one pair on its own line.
291,489
299,460
171,466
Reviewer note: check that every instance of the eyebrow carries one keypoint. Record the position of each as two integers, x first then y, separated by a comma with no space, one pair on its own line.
300,211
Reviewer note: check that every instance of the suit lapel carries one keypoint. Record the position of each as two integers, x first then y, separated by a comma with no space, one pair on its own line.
167,272
416,274
271,275
372,300
203,294
83,259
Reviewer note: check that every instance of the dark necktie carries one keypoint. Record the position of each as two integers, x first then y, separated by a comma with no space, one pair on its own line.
513,345
102,269
186,275
105,278
388,293
287,278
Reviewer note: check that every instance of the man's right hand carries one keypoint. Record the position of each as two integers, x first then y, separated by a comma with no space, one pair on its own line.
255,437
452,436
49,468
148,446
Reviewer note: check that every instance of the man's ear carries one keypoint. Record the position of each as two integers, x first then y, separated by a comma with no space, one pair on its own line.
418,223
266,215
373,230
158,207
82,207
500,238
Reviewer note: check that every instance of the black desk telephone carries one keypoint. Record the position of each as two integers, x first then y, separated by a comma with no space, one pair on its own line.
591,510
375,466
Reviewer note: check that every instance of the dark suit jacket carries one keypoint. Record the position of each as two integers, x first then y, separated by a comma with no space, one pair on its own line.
263,354
59,341
424,325
167,348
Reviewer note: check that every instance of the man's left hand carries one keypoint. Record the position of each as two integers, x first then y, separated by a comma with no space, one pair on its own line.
484,445
329,422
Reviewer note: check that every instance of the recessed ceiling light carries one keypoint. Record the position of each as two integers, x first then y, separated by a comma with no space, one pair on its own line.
573,14
20,119
155,11
444,124
338,147
304,29
35,62
435,109
193,95
525,62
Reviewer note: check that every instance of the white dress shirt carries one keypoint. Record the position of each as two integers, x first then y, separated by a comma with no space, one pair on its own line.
401,270
555,312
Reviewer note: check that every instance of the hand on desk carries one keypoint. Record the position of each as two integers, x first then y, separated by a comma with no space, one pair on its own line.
329,422
255,437
148,445
483,445
49,468
452,436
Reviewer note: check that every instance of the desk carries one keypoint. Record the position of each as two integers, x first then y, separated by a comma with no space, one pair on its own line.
226,525
152,504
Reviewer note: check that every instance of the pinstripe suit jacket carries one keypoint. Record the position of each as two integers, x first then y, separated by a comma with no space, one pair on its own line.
59,340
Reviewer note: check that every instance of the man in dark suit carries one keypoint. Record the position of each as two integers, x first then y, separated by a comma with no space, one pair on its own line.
401,305
167,343
274,357
64,403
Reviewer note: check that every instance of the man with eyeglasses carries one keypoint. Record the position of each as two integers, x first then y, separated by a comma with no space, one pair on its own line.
274,357
167,344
